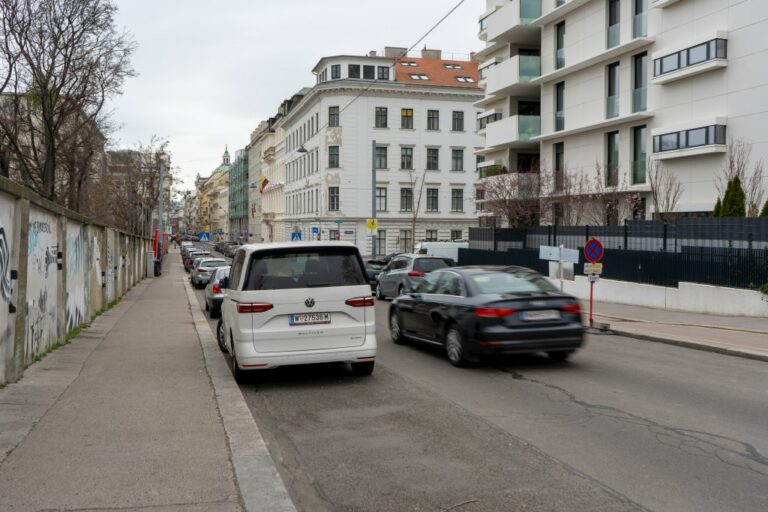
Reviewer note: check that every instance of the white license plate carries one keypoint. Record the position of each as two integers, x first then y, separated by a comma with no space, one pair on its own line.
310,318
538,316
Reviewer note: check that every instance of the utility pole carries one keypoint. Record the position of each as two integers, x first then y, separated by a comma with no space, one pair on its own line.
160,210
373,197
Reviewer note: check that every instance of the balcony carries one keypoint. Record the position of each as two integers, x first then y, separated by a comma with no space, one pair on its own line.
559,121
640,25
640,99
512,23
513,131
612,107
491,171
513,76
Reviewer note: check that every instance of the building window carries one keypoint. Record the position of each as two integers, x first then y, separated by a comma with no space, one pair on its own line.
458,121
433,159
406,158
381,117
353,71
408,63
483,122
560,106
714,49
614,19
406,118
638,155
640,83
419,76
381,157
406,199
457,200
479,198
560,45
333,199
465,79
381,199
559,159
333,157
612,103
333,117
695,137
612,159
433,204
335,71
431,235
433,119
457,160
406,240
640,19
451,66
383,72
369,72
381,242
457,234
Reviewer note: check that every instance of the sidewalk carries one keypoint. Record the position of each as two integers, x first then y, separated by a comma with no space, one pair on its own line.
126,417
738,336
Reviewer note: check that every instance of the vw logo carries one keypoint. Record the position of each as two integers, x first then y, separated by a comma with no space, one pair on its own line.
310,302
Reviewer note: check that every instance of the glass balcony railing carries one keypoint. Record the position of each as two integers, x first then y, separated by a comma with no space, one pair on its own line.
484,24
614,35
529,127
560,58
529,11
640,25
492,170
559,121
638,172
640,99
530,67
612,107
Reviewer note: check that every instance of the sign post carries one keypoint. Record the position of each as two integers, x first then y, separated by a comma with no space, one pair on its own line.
562,256
593,252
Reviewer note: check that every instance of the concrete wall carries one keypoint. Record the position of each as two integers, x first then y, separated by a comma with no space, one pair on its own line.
53,276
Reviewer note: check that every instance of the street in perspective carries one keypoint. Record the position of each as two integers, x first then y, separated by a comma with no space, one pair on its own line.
519,263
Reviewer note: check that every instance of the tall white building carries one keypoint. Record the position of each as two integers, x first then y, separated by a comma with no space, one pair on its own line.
611,82
420,113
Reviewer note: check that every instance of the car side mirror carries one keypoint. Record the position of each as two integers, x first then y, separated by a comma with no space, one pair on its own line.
224,283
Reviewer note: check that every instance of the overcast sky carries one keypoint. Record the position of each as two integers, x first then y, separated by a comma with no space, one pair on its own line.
208,72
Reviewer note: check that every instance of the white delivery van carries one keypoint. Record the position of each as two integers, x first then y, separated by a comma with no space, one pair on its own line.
441,249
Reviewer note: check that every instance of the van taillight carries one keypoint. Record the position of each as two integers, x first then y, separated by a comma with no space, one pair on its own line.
360,302
216,288
254,307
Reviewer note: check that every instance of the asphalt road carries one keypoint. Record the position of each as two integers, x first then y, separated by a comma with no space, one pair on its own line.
626,425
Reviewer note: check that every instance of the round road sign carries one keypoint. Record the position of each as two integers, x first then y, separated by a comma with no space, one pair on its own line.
593,250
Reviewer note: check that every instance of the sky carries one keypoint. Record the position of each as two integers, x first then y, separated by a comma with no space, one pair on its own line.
209,72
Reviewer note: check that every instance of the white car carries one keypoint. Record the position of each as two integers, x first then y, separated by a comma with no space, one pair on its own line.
297,303
202,270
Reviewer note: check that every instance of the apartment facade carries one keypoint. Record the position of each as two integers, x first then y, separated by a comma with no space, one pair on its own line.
412,119
238,197
626,85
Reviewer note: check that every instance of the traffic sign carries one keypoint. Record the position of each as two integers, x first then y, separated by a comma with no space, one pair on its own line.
315,230
553,254
593,250
592,278
372,224
593,268
204,236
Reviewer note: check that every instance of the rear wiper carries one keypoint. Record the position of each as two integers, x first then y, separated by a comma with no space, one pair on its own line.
318,285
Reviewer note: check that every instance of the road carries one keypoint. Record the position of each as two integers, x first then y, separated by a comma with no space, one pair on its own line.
626,425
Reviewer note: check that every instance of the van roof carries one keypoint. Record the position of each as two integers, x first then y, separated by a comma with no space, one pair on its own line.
294,245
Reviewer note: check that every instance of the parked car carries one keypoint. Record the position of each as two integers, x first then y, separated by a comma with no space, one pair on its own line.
230,251
297,303
214,293
448,250
373,269
405,272
477,312
203,270
191,257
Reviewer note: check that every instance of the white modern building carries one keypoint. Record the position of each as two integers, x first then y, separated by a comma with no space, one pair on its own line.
413,120
576,84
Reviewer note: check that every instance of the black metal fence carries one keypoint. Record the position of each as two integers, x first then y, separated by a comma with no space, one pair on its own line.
721,252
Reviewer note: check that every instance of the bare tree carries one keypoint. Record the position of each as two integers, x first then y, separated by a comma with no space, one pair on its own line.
666,188
738,163
607,199
515,197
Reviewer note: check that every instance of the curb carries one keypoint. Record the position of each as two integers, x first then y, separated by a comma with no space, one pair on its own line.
256,475
693,345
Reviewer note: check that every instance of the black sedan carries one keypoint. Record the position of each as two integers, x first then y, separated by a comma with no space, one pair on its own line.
477,312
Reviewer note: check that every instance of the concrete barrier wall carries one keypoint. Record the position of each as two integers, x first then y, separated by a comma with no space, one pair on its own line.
58,271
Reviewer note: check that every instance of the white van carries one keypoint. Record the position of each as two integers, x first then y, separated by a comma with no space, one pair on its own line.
441,249
297,303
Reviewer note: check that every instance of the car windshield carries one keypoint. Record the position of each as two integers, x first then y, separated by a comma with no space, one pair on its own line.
306,268
429,264
512,282
214,263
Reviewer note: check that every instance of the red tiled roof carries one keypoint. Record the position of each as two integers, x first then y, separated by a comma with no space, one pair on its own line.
438,74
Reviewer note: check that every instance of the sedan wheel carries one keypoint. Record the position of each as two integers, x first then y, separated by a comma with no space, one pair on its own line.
395,329
400,290
379,295
454,347
560,356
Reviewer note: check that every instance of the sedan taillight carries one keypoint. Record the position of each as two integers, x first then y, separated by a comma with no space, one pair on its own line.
571,308
254,307
201,269
360,302
216,288
414,273
485,312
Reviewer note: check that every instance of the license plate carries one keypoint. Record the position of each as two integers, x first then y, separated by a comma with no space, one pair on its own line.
310,318
538,316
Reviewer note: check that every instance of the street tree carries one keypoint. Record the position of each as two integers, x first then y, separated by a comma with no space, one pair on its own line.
514,197
608,200
764,211
739,164
734,200
666,189
718,208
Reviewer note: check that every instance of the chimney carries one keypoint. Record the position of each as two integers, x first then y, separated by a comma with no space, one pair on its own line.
393,52
431,54
372,53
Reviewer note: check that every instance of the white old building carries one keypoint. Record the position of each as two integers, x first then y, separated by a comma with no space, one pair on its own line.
420,113
573,83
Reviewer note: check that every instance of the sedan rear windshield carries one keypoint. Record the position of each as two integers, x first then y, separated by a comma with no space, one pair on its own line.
512,283
429,264
214,263
304,268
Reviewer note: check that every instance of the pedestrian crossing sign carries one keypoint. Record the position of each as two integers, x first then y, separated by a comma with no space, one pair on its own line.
204,237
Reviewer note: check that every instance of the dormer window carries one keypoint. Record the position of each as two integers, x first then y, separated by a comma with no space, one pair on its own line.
452,66
335,71
353,71
408,63
369,72
419,76
465,79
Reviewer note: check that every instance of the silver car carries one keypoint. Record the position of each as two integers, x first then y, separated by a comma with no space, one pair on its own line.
203,268
214,294
404,273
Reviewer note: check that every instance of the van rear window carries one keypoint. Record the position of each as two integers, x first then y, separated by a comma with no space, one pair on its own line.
287,269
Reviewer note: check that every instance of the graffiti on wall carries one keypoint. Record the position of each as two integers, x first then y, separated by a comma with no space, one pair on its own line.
77,267
110,276
7,307
42,284
97,279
